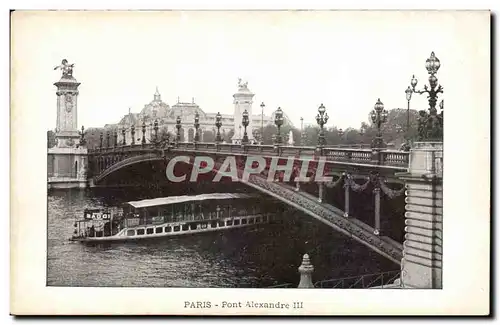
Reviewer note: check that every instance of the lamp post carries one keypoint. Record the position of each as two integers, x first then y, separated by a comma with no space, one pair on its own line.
132,133
262,105
218,124
407,145
341,135
155,127
378,116
178,126
143,140
278,121
245,123
430,124
362,133
107,140
124,141
115,138
321,119
302,131
82,137
196,127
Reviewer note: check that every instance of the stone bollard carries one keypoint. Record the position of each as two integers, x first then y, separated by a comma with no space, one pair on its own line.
305,270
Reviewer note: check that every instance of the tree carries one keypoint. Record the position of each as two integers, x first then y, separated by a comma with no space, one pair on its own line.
164,137
92,137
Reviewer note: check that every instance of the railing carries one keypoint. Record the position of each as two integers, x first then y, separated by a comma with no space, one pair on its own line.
365,281
283,286
361,281
387,158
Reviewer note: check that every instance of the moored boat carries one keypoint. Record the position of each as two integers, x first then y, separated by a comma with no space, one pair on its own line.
173,216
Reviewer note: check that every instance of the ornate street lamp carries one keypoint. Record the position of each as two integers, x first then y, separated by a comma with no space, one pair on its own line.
100,140
218,124
362,132
378,116
123,136
178,126
341,133
107,139
278,121
302,135
115,136
155,128
430,124
196,126
321,119
262,105
245,123
132,133
82,137
406,145
143,141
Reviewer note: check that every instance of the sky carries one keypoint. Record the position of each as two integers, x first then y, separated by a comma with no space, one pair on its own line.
295,60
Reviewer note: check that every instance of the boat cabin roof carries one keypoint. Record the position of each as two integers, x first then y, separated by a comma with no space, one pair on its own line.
188,198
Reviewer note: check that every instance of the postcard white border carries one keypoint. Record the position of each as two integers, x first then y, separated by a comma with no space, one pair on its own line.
466,233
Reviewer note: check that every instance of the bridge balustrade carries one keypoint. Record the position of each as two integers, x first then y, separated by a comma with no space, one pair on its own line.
390,158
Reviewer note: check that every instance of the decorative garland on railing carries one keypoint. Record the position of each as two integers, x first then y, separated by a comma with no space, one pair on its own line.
390,192
356,187
335,183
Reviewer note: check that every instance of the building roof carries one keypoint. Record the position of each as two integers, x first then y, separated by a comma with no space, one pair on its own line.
187,198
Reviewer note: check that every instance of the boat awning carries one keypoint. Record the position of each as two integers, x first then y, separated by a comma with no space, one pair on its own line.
188,198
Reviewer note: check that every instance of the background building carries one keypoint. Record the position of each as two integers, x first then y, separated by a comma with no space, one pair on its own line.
166,116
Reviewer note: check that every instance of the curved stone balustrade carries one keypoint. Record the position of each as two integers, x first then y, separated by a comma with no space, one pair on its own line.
387,158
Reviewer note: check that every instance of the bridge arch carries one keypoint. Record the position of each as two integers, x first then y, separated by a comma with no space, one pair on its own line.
124,164
308,204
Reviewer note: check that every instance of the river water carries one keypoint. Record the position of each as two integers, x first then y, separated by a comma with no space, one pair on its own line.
245,257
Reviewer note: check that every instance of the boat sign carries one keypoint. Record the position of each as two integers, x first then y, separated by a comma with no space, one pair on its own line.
97,215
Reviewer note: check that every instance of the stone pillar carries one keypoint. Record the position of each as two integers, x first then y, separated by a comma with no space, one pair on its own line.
320,195
422,253
242,101
67,135
306,269
346,197
376,191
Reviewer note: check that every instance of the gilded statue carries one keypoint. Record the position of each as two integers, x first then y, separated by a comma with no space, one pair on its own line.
66,68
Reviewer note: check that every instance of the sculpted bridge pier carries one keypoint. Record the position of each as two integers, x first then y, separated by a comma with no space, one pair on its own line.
343,165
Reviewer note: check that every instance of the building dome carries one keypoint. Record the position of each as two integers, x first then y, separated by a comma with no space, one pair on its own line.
156,108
